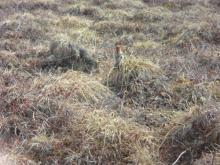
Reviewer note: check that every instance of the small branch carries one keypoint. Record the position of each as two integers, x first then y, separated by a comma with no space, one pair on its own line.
174,163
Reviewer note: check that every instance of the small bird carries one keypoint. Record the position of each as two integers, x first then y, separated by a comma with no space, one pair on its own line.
119,57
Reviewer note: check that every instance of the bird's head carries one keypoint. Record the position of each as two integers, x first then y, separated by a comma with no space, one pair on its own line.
118,47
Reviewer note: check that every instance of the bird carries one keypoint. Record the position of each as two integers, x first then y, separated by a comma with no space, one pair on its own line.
119,56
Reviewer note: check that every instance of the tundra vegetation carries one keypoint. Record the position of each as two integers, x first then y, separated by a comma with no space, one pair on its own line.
63,102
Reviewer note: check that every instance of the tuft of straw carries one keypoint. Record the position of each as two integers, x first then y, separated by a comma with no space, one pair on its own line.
139,82
77,88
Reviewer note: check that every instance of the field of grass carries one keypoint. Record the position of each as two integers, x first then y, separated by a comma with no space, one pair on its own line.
62,102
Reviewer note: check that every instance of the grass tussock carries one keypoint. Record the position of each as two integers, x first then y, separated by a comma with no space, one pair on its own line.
191,136
186,93
65,54
96,137
77,88
155,14
87,11
215,90
138,82
196,34
8,60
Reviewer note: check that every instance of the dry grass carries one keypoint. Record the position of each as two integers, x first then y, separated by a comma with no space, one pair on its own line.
66,54
8,60
117,28
23,26
53,113
187,93
87,11
76,87
154,14
26,5
192,135
105,137
48,130
215,90
138,82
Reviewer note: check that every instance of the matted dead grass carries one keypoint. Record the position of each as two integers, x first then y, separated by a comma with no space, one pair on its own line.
24,26
8,60
87,11
46,122
51,114
97,137
117,28
191,136
186,93
26,5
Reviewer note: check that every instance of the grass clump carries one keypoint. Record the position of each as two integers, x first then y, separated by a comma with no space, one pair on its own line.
38,4
123,4
72,22
87,11
66,54
112,139
191,136
117,28
138,81
8,60
186,93
155,14
77,88
195,34
215,89
147,45
95,137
